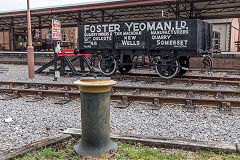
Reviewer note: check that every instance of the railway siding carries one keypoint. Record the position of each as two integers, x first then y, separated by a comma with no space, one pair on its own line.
34,121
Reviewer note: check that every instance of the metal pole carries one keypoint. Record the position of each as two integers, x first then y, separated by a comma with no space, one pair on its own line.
55,55
30,49
55,60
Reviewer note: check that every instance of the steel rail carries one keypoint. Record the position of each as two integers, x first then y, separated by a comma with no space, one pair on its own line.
211,78
189,100
177,100
161,90
42,85
42,93
129,98
188,77
176,80
165,91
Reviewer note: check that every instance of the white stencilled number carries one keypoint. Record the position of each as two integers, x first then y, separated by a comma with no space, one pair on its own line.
94,43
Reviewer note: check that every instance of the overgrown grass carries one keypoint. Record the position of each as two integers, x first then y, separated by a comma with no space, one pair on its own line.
65,151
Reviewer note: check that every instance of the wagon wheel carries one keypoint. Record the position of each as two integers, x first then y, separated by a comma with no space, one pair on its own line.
125,68
167,68
183,62
107,65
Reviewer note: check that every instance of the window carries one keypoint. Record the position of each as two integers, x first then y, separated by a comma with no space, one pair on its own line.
49,36
216,40
64,36
38,35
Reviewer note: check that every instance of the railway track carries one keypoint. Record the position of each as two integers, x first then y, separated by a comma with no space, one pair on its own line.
194,80
137,90
150,78
187,77
69,91
212,80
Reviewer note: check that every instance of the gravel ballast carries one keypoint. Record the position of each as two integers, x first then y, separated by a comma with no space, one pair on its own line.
35,121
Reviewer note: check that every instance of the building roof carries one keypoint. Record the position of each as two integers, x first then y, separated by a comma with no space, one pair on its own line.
123,10
83,7
36,6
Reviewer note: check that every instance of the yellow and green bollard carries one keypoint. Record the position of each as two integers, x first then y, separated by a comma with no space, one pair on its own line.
95,115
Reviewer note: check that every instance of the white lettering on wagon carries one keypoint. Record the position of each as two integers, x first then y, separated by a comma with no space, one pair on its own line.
161,33
136,27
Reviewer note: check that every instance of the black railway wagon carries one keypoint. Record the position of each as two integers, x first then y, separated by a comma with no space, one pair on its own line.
165,44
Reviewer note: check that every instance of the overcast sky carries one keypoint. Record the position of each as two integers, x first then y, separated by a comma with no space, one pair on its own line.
18,5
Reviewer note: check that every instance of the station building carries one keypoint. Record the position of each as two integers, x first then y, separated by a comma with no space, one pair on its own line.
227,35
221,13
41,39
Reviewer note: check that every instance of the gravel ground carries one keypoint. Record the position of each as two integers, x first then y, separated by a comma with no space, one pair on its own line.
36,121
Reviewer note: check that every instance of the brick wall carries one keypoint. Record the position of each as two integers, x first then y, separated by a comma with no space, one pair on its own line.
218,62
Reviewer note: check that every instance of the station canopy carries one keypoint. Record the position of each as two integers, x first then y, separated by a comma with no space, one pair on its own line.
123,10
